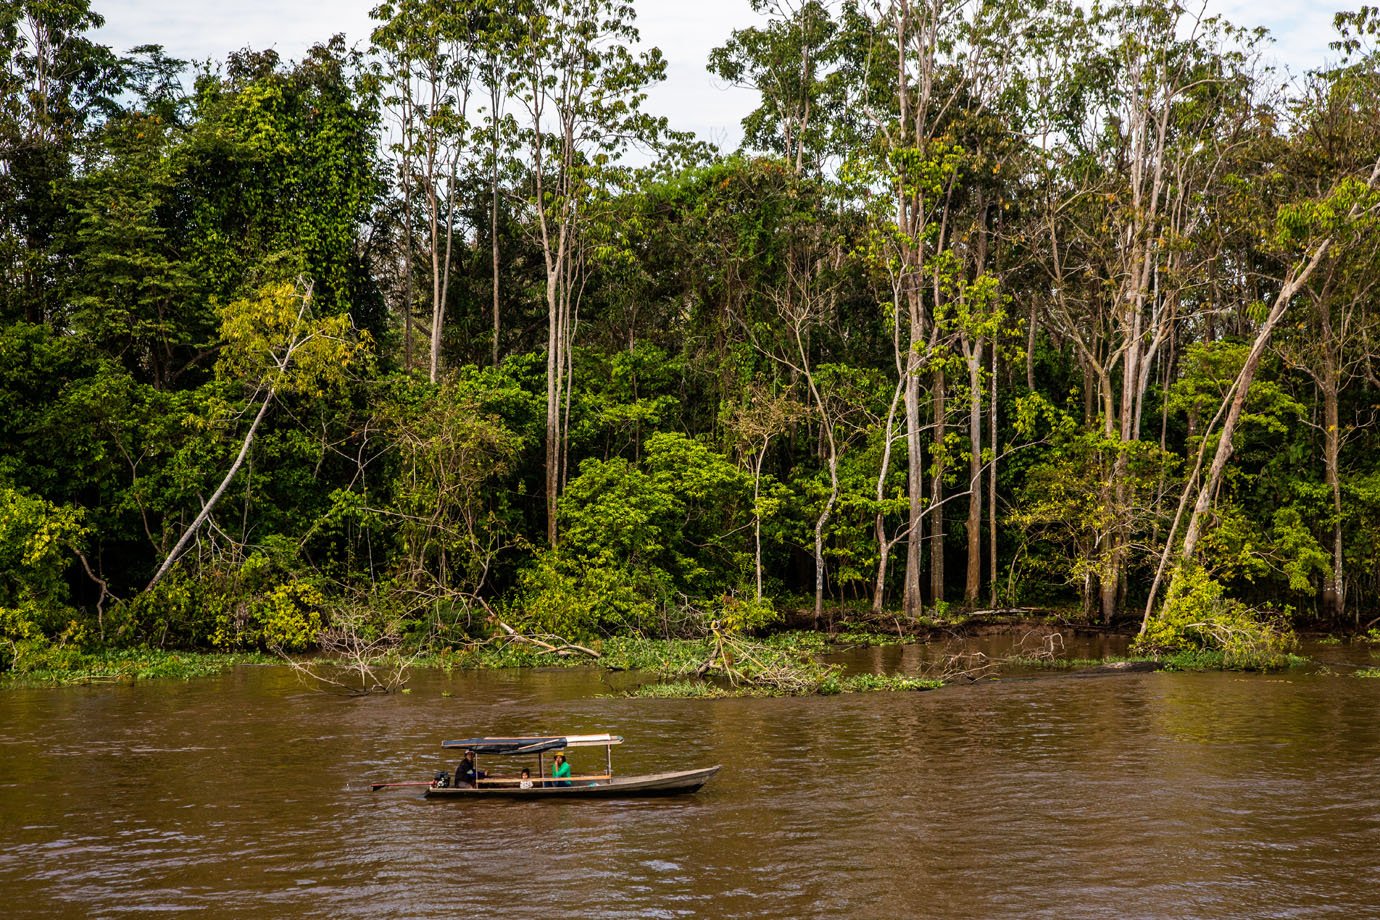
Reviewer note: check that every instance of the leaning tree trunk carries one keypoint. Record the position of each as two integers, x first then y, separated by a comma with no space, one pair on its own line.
206,509
884,543
210,505
1298,277
1243,386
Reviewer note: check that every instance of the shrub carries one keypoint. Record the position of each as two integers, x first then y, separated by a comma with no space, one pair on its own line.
1197,617
18,634
179,610
740,615
565,597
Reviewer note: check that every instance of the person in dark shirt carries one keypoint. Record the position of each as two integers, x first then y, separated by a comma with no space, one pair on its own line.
465,773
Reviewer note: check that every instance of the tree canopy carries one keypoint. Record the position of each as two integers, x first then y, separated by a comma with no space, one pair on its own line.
1041,304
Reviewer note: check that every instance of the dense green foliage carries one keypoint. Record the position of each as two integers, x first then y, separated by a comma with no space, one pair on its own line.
905,351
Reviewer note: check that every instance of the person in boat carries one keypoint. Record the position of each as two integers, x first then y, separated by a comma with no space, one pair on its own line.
465,773
560,770
525,781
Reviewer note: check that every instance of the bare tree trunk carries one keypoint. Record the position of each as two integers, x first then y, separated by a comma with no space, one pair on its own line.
937,493
1030,351
555,350
1243,385
555,251
915,491
972,587
434,237
493,232
820,524
1111,577
282,366
827,426
439,322
438,308
757,517
1108,586
409,246
1089,392
1334,586
992,492
494,100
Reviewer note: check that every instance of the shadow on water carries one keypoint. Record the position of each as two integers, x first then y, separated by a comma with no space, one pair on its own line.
1142,795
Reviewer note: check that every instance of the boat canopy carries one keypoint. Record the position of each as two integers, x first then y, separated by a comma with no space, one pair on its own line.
532,745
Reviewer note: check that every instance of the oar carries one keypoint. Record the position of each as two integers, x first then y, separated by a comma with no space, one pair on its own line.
377,786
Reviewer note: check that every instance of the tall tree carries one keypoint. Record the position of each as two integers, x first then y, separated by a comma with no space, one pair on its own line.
1155,99
935,49
55,82
792,62
1339,134
430,53
582,85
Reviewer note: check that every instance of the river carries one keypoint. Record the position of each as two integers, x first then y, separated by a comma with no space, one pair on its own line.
1040,795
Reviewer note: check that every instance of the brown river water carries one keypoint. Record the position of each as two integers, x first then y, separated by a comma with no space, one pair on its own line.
1044,795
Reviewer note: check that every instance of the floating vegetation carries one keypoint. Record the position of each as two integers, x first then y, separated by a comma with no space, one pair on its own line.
872,683
830,685
75,667
1220,660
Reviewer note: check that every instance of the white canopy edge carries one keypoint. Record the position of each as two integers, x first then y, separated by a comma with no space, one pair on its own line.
592,740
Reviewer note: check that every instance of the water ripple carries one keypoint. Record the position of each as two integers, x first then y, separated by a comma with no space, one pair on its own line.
1148,795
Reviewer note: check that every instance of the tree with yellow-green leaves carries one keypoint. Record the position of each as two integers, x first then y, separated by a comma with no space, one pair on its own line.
275,347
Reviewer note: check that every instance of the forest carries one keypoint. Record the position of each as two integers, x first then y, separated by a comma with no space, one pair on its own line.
1045,306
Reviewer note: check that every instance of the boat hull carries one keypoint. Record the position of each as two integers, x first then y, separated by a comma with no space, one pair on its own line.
681,782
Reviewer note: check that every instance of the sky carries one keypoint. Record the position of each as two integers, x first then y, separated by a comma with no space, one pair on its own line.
684,30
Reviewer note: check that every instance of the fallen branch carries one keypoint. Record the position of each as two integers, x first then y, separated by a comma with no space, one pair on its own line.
564,649
744,662
359,657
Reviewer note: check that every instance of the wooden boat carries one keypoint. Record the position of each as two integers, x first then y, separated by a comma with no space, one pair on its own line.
597,785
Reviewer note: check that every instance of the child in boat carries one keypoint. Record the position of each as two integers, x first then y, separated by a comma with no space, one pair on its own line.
526,781
560,770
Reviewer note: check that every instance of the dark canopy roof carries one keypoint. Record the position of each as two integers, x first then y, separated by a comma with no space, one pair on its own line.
530,745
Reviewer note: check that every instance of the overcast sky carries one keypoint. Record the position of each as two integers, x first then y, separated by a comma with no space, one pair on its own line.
684,30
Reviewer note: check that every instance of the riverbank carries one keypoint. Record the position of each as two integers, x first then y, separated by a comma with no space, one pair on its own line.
791,662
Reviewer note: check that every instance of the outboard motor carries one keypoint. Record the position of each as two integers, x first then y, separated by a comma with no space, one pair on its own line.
441,780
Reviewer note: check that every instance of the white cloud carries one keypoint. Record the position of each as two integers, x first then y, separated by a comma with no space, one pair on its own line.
1301,29
200,29
685,30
